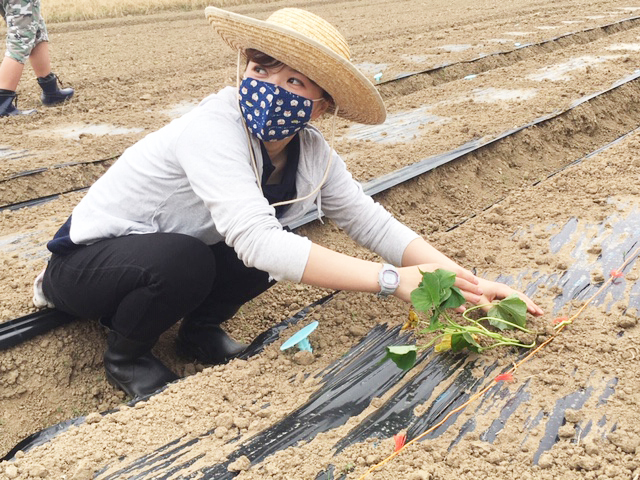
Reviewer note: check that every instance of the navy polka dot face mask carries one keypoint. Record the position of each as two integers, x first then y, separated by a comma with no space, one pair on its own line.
272,113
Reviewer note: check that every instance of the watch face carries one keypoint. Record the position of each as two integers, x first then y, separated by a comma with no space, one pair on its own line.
390,277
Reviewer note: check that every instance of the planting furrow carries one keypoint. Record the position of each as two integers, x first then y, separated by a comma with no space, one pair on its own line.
410,82
556,138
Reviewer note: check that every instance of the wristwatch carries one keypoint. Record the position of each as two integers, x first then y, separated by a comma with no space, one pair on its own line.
388,279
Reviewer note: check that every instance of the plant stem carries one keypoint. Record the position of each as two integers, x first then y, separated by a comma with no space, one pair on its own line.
433,340
511,343
485,331
514,325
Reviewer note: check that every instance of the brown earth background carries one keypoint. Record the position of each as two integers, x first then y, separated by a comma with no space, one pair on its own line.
511,199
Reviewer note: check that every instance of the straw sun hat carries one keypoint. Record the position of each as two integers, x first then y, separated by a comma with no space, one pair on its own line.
311,45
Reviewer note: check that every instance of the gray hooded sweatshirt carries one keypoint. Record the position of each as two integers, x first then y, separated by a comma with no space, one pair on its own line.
195,176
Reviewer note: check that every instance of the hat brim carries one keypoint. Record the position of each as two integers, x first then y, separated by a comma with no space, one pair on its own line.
356,97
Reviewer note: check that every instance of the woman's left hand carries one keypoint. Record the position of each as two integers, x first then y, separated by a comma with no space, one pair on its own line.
497,291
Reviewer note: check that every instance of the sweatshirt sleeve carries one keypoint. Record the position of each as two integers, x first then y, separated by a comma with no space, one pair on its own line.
214,153
365,221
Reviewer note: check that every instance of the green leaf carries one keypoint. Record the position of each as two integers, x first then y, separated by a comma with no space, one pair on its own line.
512,309
444,295
445,278
436,290
432,287
458,342
433,327
473,345
427,295
455,299
404,356
450,296
421,300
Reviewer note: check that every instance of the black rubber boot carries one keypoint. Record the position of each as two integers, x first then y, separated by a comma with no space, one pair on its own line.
132,367
51,94
9,104
204,339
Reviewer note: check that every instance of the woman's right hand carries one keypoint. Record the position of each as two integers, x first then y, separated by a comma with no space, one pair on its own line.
410,277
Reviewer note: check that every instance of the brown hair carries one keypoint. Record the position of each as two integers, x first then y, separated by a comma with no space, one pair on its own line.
265,60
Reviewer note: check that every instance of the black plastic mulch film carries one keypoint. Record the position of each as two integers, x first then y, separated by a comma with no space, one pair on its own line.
349,385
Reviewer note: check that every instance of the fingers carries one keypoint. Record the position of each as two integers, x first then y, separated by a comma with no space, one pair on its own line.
472,297
468,287
501,291
464,274
532,308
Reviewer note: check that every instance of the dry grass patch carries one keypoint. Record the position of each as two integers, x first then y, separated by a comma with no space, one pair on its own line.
70,10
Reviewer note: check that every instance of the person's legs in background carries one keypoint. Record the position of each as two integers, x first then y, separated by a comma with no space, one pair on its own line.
27,38
40,61
10,73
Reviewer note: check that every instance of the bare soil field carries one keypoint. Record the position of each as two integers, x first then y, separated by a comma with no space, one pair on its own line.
528,207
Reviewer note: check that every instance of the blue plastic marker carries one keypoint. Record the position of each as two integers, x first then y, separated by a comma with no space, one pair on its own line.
378,77
300,339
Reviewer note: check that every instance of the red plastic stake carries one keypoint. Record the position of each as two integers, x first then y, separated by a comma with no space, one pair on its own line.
616,274
504,377
401,439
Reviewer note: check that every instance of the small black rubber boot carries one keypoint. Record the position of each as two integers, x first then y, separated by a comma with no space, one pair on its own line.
132,367
207,342
51,94
9,104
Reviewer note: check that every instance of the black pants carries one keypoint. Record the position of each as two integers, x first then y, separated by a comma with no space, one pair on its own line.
141,285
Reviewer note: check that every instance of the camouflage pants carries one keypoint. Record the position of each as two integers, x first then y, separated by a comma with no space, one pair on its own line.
25,27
